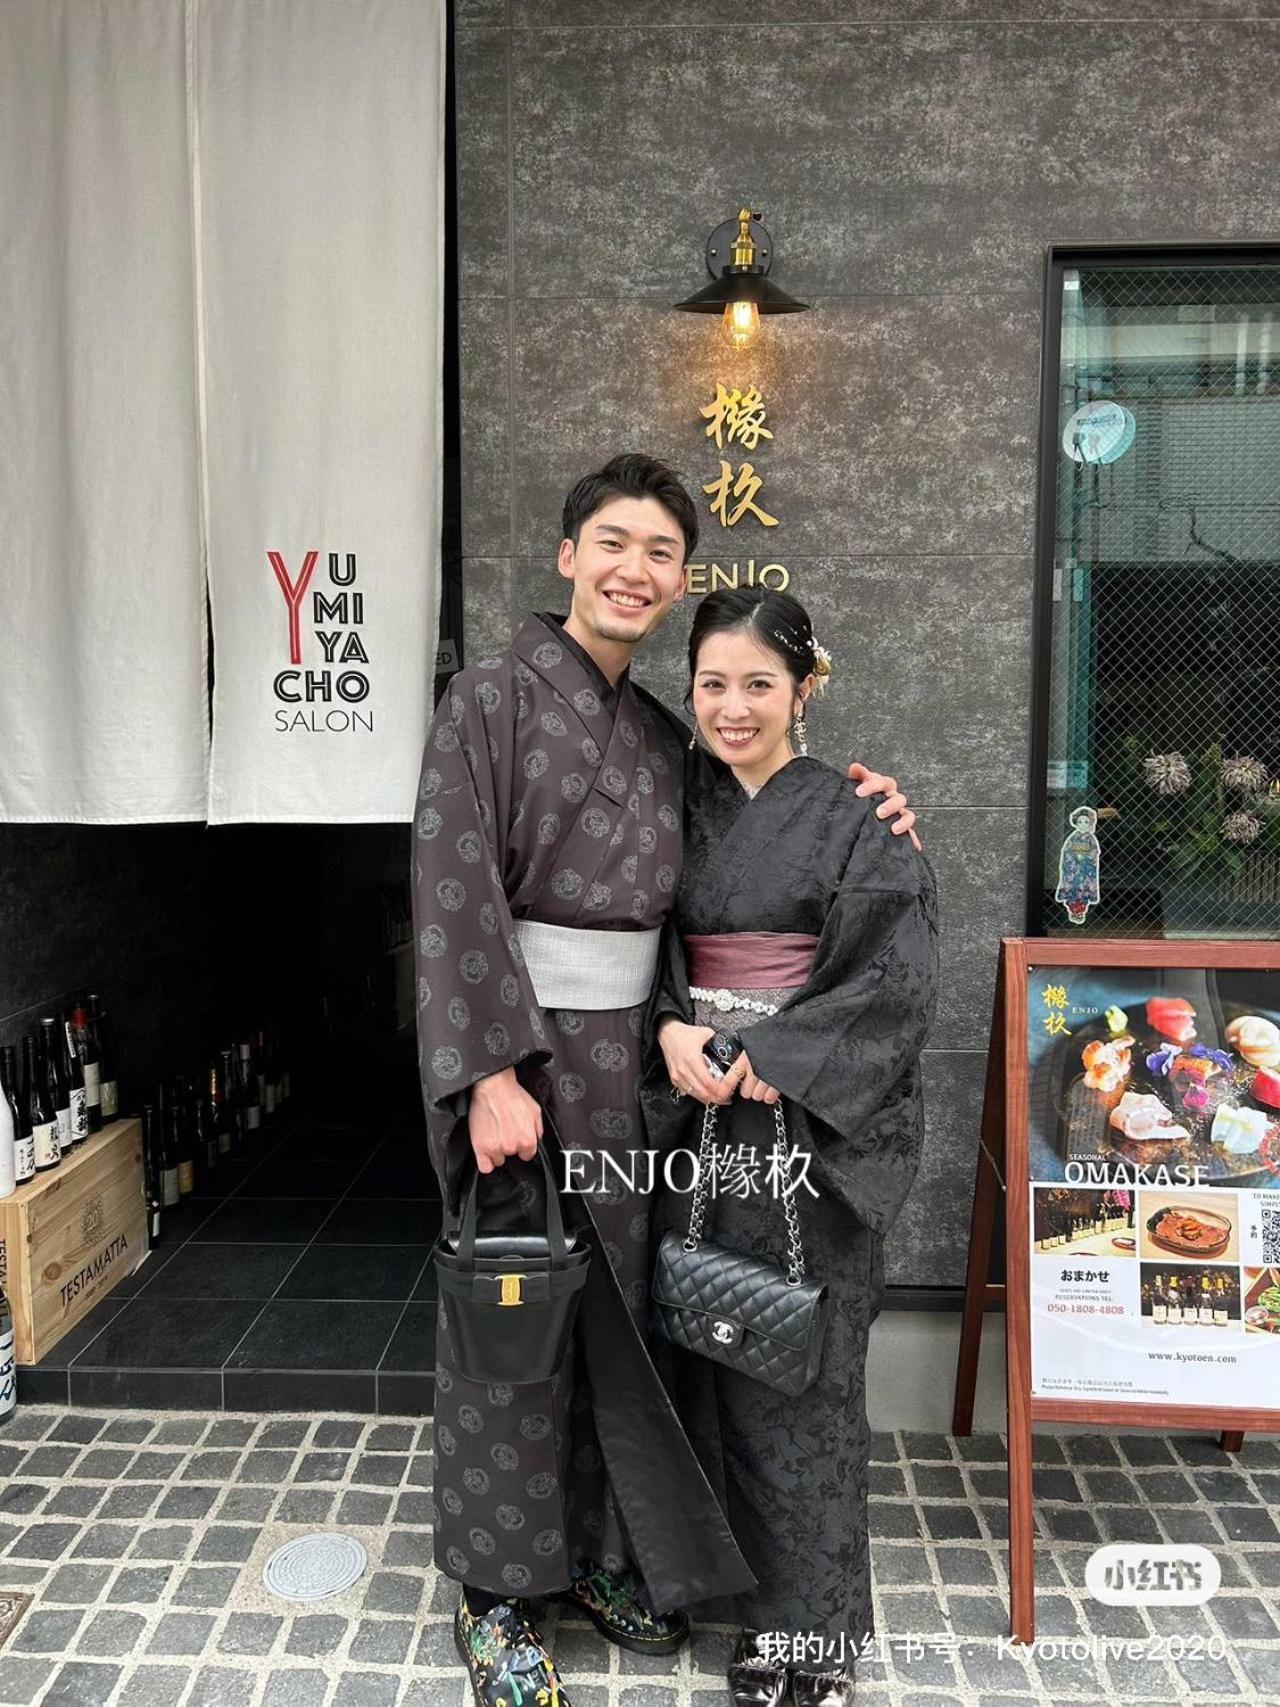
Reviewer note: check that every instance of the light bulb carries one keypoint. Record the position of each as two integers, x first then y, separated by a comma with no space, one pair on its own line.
741,323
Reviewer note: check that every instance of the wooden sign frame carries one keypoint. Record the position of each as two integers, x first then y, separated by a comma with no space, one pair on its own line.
1004,1165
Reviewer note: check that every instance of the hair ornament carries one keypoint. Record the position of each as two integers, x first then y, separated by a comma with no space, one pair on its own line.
821,657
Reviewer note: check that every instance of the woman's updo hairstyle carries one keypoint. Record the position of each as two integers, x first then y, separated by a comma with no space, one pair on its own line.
775,620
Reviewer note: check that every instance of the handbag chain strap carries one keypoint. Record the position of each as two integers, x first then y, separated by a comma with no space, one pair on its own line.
702,1182
702,1189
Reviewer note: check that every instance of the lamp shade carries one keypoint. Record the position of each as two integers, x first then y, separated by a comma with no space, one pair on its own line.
741,286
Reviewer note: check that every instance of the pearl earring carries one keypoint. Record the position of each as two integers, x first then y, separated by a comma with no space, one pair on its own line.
693,739
798,731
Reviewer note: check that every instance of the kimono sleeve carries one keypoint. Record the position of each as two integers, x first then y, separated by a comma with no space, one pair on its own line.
846,1048
476,1008
670,994
664,1120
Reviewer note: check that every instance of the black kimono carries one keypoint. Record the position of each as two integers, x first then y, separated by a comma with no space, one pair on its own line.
546,794
804,856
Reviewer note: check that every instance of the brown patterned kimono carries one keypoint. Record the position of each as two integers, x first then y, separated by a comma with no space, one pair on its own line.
547,795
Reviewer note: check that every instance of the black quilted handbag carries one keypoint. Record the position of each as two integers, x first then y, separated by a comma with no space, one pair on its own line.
737,1309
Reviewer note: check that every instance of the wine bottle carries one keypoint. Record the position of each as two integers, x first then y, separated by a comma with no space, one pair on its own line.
207,1109
151,1172
86,1036
9,1127
266,1082
223,1103
273,1071
1159,1301
109,1090
275,1067
1220,1319
75,1079
285,1090
24,1150
1175,1303
8,1372
40,1111
235,1096
188,1137
56,1081
1205,1316
172,1120
251,1107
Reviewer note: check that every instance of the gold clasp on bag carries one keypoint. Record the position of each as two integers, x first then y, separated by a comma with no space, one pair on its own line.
510,1292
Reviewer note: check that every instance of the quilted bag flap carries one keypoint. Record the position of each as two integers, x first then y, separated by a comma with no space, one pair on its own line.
714,1282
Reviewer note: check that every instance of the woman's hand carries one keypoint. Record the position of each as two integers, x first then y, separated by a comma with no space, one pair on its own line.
749,1086
681,1047
894,806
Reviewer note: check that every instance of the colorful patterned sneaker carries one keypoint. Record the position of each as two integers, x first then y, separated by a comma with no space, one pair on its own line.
506,1658
616,1606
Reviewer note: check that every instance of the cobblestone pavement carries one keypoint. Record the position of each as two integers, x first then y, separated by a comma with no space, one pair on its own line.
142,1539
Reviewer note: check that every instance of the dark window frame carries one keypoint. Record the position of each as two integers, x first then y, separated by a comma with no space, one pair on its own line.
1059,258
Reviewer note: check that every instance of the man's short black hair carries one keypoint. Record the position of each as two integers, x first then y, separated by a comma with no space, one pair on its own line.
632,476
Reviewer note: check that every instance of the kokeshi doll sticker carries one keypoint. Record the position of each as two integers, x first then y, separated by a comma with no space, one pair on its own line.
1078,866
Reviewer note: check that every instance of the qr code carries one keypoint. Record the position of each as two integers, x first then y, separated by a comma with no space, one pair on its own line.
1270,1233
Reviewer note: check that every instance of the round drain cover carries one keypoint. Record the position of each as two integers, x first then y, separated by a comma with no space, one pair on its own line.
314,1566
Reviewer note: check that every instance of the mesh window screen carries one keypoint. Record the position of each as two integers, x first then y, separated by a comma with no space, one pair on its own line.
1163,792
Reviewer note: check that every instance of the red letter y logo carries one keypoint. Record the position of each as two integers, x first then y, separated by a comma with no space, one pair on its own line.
293,596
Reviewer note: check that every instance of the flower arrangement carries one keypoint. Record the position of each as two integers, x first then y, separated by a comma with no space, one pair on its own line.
1209,810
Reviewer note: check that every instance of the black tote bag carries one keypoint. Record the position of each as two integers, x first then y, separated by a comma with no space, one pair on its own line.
511,1298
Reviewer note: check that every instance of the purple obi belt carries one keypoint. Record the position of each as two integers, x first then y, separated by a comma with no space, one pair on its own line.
750,960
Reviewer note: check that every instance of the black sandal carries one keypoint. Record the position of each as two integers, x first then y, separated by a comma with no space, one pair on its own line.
753,1680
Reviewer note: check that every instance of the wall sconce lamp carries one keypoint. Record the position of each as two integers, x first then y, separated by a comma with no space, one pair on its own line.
739,255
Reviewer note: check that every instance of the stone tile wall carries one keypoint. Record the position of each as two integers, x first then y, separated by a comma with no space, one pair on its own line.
912,162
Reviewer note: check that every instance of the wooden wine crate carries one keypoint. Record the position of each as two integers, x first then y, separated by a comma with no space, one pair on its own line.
67,1237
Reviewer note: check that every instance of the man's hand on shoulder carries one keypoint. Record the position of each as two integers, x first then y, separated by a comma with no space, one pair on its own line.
893,806
503,1120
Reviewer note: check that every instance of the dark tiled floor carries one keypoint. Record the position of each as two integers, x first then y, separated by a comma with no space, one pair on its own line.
284,1283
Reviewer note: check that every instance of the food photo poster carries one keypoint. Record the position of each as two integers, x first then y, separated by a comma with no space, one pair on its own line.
1154,1145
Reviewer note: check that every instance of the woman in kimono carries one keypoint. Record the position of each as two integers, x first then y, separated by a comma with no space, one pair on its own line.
805,929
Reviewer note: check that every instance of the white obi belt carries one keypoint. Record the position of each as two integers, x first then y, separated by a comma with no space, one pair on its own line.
590,970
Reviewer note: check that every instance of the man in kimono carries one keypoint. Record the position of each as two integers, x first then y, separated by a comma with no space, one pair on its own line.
547,848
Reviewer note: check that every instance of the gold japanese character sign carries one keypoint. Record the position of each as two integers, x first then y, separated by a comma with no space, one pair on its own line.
743,489
736,417
735,423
